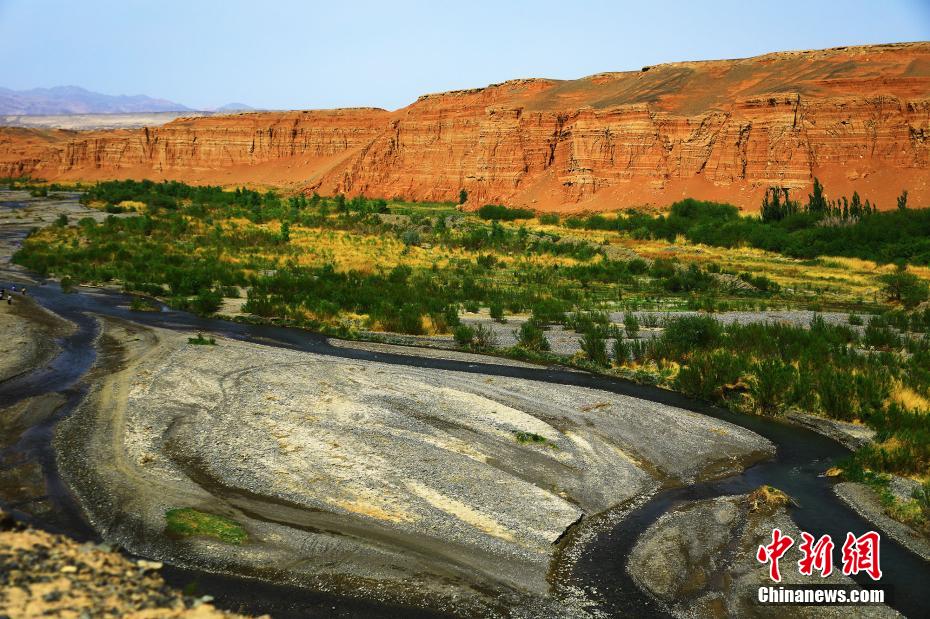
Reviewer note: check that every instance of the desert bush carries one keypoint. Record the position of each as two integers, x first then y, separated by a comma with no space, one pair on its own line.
499,212
631,325
622,352
549,219
706,373
686,334
531,336
484,338
464,335
770,385
594,347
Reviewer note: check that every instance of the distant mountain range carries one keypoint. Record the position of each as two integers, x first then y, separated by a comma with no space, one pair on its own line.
76,100
235,107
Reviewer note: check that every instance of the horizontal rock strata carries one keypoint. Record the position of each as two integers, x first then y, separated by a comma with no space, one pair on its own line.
857,117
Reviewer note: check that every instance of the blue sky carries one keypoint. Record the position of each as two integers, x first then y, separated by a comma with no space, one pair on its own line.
290,54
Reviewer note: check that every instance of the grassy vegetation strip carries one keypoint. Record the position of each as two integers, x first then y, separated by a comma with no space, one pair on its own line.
187,522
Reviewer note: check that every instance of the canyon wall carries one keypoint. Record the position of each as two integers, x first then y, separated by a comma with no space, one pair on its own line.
858,118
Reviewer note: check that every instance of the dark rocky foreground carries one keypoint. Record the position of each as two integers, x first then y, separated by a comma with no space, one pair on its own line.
43,574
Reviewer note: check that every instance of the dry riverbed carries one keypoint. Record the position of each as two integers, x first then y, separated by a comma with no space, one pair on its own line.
391,481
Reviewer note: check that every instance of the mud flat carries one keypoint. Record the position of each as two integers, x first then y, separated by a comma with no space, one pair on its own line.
700,561
392,482
29,333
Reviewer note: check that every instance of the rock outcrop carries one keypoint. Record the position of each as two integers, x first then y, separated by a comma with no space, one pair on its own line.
857,117
699,560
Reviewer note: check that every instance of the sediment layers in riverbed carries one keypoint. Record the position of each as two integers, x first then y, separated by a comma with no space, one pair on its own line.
345,471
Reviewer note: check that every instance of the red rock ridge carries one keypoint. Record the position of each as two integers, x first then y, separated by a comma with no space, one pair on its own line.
858,118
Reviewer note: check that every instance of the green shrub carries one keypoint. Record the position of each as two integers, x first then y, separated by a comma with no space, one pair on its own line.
451,313
770,385
905,287
186,522
138,304
549,219
686,334
498,212
547,311
631,325
528,437
484,338
531,337
878,336
622,352
410,319
921,494
205,303
200,340
464,335
594,347
707,373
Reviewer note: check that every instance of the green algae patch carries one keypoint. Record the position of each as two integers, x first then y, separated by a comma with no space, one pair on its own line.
187,522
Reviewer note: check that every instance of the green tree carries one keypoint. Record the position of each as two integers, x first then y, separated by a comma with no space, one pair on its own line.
817,201
463,196
902,201
905,288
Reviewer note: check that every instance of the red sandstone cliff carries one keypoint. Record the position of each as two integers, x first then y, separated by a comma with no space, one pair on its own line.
858,118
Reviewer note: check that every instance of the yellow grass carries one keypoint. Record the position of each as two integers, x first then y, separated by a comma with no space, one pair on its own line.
909,399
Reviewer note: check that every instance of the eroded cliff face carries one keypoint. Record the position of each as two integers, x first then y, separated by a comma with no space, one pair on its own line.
858,118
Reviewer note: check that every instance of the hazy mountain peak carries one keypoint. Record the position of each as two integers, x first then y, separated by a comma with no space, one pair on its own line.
76,100
235,107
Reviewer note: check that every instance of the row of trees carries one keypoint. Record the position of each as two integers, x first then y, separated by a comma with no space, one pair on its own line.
777,205
820,228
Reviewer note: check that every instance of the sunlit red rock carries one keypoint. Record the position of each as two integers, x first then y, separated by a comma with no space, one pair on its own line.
858,118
